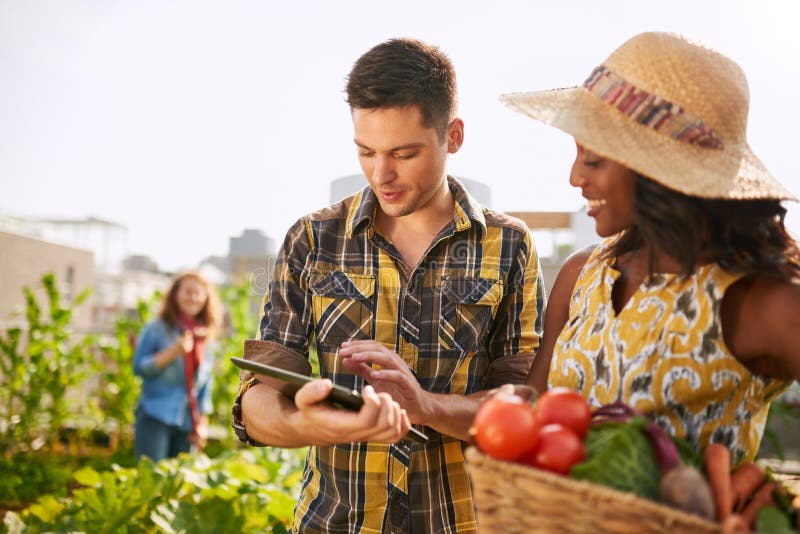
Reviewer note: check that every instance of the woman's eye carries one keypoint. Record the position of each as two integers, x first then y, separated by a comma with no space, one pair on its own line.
593,163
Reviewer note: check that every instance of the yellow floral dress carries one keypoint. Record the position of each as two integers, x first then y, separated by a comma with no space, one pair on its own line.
664,354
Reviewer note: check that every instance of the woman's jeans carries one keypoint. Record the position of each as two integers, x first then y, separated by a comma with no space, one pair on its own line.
157,440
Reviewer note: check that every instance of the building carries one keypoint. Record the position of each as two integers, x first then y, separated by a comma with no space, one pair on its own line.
106,239
82,253
251,258
25,259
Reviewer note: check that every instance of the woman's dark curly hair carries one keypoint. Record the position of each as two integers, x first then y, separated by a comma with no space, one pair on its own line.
743,236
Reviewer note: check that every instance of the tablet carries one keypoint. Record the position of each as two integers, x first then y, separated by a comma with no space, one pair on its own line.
340,396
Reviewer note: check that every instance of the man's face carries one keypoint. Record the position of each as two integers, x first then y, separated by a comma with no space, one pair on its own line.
403,160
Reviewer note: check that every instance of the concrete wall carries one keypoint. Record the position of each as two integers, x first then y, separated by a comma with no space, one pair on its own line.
23,261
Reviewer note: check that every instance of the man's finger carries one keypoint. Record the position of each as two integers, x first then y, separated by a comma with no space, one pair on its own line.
313,392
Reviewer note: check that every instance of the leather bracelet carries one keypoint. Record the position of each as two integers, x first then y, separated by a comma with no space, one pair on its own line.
236,415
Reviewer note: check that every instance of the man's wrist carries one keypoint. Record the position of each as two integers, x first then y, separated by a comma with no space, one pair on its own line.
236,414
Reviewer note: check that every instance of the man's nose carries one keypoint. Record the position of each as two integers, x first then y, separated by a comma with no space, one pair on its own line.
384,171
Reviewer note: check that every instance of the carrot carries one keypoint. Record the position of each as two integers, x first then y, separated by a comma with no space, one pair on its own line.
734,524
745,480
718,471
762,497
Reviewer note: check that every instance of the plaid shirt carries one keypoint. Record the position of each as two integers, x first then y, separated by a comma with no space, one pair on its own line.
465,319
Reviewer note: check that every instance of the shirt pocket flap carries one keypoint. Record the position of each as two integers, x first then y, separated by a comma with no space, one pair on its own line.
479,291
341,285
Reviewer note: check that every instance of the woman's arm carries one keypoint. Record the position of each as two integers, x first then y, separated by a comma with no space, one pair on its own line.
148,360
556,315
760,324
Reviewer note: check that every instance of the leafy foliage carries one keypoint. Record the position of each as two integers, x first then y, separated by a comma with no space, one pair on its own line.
244,490
242,324
621,456
39,369
118,387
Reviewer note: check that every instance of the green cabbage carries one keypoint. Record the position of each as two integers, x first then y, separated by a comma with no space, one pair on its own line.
620,456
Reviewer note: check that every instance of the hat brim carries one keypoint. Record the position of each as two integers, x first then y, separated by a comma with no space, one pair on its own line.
732,172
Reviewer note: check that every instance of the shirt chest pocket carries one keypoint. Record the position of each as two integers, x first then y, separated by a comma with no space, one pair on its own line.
467,310
342,305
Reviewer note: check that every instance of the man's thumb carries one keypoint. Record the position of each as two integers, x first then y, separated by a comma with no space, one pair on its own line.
313,392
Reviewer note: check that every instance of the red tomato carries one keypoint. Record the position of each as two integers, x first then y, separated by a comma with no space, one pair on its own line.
562,406
505,427
558,449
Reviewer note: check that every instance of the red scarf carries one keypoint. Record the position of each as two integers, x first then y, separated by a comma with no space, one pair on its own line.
191,362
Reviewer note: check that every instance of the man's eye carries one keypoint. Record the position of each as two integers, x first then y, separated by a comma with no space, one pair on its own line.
405,155
593,163
365,154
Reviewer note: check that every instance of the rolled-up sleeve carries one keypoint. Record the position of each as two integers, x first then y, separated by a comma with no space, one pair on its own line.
517,330
287,306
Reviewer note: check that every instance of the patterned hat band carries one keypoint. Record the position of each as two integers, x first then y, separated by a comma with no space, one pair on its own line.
650,110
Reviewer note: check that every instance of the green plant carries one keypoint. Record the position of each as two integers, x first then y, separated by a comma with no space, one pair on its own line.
242,324
244,490
118,387
782,414
37,373
28,475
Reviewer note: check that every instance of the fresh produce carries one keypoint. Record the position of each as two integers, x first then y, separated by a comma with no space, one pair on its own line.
630,453
619,447
718,470
564,407
762,497
748,497
745,480
505,427
558,449
773,520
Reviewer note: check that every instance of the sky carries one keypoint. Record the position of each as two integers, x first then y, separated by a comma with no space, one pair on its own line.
188,121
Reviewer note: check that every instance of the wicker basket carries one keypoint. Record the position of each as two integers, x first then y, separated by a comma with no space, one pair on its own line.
512,498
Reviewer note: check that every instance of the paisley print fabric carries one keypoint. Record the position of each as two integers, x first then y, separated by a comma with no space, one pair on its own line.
663,354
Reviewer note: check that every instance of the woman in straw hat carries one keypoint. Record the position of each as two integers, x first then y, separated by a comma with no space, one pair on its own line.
689,308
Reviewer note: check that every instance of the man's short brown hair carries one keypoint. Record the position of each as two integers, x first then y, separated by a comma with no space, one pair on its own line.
405,72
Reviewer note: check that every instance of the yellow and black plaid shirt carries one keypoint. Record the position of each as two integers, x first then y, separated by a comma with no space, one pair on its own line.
467,318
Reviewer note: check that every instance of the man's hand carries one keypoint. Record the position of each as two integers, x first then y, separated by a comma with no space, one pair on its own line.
380,419
391,376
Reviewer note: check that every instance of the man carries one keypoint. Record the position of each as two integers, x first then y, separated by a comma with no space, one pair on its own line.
408,286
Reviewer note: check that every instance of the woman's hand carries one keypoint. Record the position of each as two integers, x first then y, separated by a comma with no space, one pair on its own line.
185,342
199,437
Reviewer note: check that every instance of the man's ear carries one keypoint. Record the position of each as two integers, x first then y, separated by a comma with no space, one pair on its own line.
455,135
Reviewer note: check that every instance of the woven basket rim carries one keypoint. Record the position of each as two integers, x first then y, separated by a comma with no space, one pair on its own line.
477,460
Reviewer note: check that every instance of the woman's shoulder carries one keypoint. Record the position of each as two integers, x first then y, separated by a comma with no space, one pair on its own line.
575,263
760,315
766,293
582,255
156,326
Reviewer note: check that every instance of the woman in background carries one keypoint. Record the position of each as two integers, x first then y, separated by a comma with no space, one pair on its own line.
175,356
689,308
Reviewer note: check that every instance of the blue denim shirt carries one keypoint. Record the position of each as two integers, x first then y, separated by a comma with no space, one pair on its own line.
164,390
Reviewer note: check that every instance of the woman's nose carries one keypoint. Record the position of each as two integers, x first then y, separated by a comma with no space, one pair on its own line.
576,179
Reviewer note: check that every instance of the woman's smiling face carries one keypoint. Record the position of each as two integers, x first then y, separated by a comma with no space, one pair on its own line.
610,189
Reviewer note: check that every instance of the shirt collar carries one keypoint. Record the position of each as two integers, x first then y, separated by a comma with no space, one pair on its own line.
465,212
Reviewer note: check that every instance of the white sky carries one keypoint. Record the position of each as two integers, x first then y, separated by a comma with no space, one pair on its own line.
188,121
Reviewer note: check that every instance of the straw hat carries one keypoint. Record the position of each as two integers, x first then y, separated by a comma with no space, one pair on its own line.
672,110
